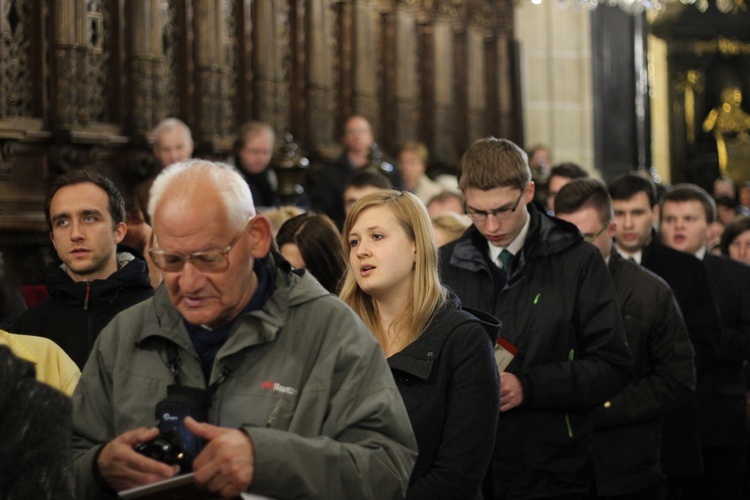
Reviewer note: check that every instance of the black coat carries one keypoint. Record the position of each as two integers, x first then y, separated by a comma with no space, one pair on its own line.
328,181
76,312
36,460
722,406
449,382
680,449
628,428
559,309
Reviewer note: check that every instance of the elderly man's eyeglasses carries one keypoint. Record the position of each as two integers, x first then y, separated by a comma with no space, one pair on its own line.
213,260
590,238
498,213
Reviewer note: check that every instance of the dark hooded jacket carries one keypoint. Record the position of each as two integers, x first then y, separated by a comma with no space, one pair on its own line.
76,312
558,308
449,382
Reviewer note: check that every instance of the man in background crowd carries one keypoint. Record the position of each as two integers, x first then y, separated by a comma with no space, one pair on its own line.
627,437
686,213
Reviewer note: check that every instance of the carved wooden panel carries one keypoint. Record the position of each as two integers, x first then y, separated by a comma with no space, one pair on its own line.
83,82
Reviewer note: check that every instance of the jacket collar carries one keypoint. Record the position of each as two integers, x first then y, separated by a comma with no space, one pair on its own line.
258,326
547,235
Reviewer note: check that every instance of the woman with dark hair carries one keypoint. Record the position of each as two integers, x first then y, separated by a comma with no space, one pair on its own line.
735,241
441,356
311,241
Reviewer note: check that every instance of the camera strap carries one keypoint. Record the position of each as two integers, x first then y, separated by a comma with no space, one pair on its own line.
227,369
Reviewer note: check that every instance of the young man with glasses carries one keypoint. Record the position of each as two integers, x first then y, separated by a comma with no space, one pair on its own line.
627,440
299,399
557,304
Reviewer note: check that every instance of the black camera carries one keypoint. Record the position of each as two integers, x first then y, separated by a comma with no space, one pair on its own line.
175,444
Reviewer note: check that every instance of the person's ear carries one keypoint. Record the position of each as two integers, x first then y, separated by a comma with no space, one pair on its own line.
656,213
530,190
120,231
259,231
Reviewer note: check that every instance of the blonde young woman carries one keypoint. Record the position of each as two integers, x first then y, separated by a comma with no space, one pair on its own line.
441,357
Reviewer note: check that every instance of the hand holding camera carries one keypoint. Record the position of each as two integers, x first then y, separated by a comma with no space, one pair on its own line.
175,444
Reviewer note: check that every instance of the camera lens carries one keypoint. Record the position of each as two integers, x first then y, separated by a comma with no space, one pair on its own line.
160,450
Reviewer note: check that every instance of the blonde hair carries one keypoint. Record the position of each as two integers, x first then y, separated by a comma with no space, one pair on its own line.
452,224
427,292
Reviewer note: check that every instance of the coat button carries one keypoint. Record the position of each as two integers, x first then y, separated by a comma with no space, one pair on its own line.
429,354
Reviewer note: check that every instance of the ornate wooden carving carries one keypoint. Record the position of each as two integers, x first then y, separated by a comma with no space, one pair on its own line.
83,82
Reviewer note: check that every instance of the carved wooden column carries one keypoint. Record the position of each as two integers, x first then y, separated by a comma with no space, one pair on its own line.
364,64
476,78
320,112
407,73
207,59
143,18
443,148
64,62
271,79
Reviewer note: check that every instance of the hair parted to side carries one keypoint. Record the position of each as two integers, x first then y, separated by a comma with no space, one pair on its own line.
690,192
428,294
81,176
191,176
583,193
627,185
732,231
491,163
319,243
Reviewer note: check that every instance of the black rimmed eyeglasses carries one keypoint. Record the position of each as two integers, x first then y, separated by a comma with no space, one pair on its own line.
498,213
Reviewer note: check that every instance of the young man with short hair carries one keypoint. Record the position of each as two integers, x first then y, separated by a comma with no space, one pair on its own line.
85,213
636,210
556,301
686,213
627,439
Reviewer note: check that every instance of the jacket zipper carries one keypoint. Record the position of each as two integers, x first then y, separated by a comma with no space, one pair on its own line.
86,299
567,417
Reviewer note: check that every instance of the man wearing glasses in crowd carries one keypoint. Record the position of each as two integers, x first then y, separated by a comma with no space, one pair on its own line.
561,325
299,399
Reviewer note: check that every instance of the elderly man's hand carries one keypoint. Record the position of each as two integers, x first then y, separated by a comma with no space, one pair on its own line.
123,468
227,463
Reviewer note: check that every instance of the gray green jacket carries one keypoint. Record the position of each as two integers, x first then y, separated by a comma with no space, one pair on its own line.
313,391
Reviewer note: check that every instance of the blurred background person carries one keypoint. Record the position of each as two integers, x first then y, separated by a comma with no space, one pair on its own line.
560,175
449,226
361,184
447,201
278,216
253,150
441,357
735,242
312,242
412,163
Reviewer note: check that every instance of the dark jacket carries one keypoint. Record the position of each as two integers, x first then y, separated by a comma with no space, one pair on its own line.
449,382
558,308
680,448
722,417
76,312
328,181
35,453
627,438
